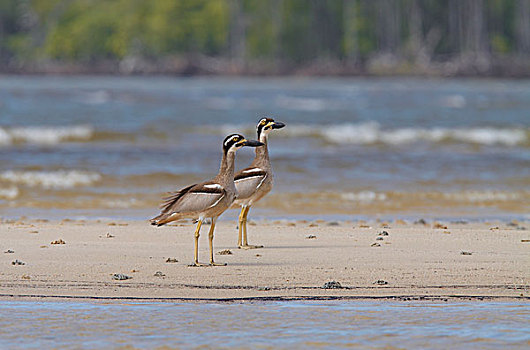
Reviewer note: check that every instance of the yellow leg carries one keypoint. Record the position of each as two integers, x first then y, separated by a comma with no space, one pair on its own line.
243,225
196,254
240,226
210,238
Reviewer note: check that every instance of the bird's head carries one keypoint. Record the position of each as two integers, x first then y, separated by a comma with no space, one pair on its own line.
234,142
266,125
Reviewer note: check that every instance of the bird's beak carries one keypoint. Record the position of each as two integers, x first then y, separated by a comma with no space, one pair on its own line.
250,143
278,125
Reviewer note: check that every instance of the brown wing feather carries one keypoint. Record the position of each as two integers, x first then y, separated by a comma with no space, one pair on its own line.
249,172
174,197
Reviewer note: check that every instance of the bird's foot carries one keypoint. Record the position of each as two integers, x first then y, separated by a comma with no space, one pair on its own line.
217,264
198,264
249,246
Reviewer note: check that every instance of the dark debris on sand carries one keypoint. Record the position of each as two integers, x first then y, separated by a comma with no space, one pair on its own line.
332,285
381,282
225,252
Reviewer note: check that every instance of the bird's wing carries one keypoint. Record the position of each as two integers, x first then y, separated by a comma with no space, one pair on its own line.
196,198
173,198
248,181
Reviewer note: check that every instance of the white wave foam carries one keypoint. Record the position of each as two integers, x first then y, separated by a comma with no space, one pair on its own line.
484,196
363,196
372,133
41,135
60,179
121,204
9,193
5,138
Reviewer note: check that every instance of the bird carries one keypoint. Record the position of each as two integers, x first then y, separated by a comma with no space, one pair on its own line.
255,181
208,199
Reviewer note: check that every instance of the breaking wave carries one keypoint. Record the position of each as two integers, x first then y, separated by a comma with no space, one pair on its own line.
470,196
371,133
9,193
363,196
43,135
60,179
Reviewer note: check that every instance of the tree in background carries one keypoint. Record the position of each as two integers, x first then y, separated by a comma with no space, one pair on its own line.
276,36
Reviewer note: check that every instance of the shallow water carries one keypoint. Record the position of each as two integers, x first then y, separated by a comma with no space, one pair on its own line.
289,324
113,145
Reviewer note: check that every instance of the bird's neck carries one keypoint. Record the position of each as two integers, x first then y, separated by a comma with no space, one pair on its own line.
226,171
262,152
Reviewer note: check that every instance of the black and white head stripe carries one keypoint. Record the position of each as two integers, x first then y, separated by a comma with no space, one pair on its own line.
230,140
263,124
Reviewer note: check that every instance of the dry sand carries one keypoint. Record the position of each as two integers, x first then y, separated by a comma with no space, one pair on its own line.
478,260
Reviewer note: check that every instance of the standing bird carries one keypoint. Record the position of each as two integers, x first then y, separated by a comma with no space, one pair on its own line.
208,199
254,182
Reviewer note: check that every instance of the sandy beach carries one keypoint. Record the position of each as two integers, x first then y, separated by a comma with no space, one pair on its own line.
408,260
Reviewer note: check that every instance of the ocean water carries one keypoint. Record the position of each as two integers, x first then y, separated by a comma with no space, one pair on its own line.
112,146
265,325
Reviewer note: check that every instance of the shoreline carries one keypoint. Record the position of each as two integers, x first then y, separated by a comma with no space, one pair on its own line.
460,66
300,261
263,299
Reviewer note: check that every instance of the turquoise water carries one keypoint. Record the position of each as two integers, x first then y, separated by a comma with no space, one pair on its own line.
265,325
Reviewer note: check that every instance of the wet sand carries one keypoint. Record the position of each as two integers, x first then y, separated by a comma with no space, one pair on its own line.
415,260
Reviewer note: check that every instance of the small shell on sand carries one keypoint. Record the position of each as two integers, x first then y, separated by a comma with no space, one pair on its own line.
159,274
120,277
225,252
465,253
171,260
311,237
59,241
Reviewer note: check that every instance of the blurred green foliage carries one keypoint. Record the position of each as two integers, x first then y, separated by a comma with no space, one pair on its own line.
288,31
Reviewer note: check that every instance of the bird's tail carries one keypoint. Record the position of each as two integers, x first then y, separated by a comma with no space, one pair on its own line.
160,220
